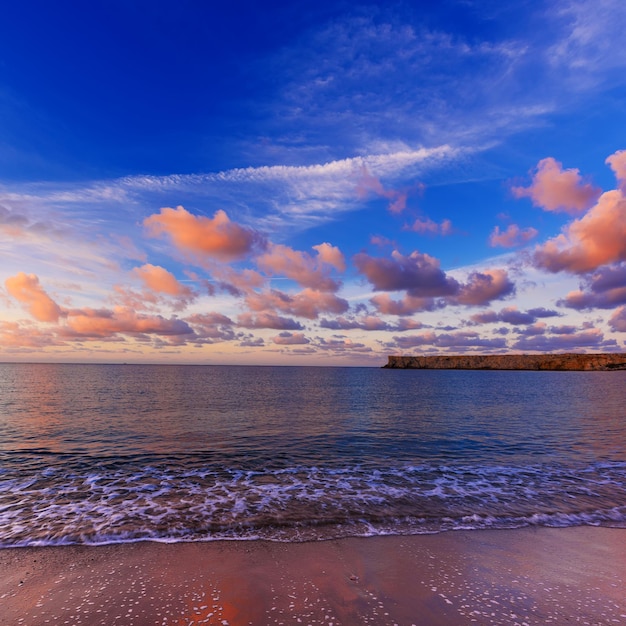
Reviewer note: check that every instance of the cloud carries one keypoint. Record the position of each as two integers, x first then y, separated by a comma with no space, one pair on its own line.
565,329
25,337
555,189
408,305
368,322
512,236
598,238
458,340
200,236
308,303
290,339
128,247
368,184
233,281
618,320
301,267
252,342
617,161
267,320
483,287
427,226
351,80
102,323
25,288
292,196
604,289
331,255
211,327
419,274
160,280
210,319
423,280
543,312
592,338
534,330
589,51
15,220
89,323
382,242
341,345
12,224
511,315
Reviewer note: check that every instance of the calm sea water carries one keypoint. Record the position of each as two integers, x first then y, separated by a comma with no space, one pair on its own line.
113,453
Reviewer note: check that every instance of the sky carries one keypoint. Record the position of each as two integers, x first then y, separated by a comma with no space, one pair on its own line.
311,183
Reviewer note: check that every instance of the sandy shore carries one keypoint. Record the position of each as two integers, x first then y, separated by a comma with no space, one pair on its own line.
527,576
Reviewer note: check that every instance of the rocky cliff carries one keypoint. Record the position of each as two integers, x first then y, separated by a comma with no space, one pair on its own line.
571,362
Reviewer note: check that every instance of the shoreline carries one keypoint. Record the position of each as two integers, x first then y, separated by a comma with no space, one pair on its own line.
512,576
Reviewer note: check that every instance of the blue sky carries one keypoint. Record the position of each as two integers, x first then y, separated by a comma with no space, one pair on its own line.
320,183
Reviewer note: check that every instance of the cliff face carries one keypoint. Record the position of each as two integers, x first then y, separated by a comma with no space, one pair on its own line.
560,362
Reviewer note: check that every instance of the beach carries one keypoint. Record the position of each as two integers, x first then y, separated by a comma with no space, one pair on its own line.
518,576
235,496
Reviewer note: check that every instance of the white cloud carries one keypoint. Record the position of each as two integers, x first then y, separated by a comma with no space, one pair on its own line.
592,45
272,197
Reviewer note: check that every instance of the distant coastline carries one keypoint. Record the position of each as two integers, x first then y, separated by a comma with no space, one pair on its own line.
550,362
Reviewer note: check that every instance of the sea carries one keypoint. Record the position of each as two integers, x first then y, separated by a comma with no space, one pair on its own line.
101,454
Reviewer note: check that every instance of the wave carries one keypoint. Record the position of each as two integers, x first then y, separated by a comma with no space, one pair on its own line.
171,502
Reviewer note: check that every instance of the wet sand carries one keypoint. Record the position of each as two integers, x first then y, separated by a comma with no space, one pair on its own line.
525,576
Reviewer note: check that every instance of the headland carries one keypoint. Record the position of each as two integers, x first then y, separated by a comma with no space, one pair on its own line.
550,362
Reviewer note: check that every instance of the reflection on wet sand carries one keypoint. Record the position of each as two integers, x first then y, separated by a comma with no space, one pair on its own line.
523,576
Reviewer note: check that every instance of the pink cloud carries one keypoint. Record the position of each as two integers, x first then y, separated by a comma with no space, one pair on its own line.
618,320
417,273
331,255
308,303
209,319
25,288
555,189
480,289
407,306
129,298
458,341
533,330
25,337
290,339
235,282
103,323
427,226
483,287
565,329
512,236
603,289
267,320
381,242
341,346
211,327
302,267
592,338
511,315
369,323
598,238
368,184
216,237
617,161
160,280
